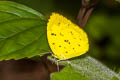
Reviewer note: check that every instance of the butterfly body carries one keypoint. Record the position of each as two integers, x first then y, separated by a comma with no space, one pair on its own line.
66,39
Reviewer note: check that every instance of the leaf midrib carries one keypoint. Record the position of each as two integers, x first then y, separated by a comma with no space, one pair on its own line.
22,30
23,47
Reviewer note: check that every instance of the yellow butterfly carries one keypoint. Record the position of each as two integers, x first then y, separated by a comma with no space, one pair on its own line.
66,39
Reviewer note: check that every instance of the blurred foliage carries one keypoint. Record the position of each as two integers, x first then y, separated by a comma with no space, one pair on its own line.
118,0
104,28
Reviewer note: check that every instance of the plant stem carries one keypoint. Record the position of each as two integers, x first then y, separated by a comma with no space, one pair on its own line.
85,11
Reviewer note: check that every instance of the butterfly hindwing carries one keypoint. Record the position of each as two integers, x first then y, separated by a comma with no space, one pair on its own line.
66,39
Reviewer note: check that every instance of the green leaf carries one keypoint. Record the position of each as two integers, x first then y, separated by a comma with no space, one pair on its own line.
22,32
68,73
13,10
84,68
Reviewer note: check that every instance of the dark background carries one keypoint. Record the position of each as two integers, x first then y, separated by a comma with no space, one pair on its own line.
103,28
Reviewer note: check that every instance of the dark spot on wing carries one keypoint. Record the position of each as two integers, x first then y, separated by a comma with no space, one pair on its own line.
78,44
59,23
66,40
59,45
80,39
53,34
53,43
61,34
71,32
73,48
66,52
